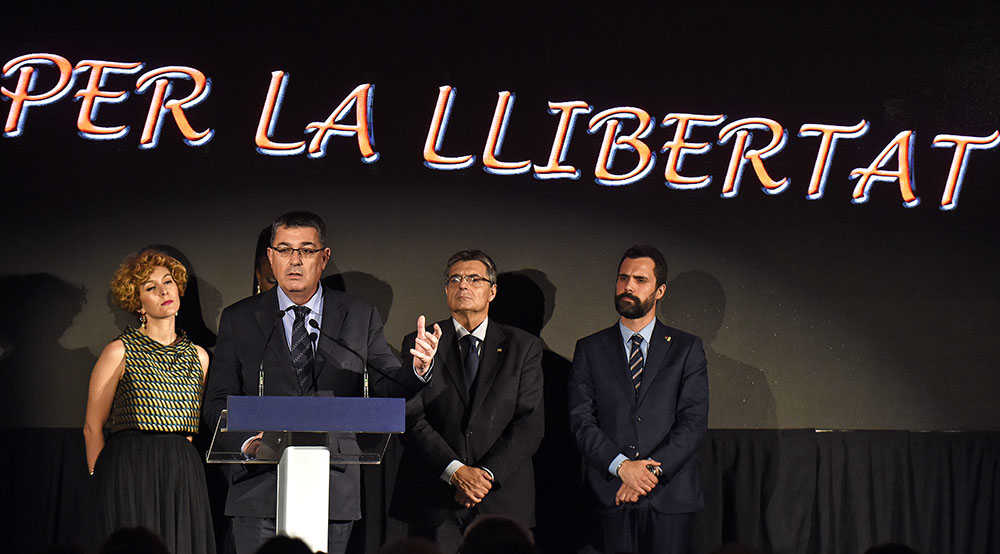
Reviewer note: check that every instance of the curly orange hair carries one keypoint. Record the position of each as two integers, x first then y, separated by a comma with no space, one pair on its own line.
136,269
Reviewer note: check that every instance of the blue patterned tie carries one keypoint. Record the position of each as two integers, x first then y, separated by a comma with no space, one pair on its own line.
636,362
302,350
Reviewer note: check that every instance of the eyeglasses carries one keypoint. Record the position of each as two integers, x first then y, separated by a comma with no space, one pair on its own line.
287,251
473,280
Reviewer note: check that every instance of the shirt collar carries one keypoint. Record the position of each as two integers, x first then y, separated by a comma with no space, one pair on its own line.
646,332
315,304
478,332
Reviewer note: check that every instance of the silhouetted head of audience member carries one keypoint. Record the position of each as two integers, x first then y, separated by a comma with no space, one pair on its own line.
410,545
134,540
284,545
891,548
497,535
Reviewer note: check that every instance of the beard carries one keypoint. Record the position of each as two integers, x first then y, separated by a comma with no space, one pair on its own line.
634,309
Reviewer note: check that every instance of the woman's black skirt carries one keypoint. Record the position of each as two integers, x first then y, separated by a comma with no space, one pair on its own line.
156,481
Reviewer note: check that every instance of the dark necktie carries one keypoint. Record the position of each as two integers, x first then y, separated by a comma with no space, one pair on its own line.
302,350
471,359
636,362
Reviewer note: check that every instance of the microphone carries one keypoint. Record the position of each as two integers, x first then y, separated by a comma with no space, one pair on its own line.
260,369
345,346
312,346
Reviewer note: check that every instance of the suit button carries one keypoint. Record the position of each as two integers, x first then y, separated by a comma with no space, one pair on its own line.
468,434
638,419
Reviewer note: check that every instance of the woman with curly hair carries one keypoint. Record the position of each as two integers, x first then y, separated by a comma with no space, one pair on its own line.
147,387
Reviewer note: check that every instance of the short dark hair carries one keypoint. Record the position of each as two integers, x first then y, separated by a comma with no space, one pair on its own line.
473,256
133,539
652,252
300,219
493,534
281,544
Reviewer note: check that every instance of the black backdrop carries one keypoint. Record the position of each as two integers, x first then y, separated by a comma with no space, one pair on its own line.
815,313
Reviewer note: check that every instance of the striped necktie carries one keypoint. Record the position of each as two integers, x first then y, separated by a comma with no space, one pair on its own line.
635,361
302,350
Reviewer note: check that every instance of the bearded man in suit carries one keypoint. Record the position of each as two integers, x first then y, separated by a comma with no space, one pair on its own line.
471,432
302,338
638,403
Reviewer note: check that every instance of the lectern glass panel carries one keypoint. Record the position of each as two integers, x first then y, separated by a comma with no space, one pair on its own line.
345,447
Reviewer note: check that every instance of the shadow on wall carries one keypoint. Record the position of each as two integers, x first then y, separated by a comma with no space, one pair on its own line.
200,298
740,396
526,299
45,384
365,286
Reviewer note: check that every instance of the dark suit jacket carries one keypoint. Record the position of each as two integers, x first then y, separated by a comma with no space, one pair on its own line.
243,331
666,423
499,427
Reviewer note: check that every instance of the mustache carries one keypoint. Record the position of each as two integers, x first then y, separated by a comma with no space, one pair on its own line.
633,297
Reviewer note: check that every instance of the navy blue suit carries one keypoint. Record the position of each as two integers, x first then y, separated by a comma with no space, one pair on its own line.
666,422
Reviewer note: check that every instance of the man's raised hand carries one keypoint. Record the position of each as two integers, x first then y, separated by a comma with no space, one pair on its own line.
424,347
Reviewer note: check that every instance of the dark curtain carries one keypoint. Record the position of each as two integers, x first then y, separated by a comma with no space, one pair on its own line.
781,491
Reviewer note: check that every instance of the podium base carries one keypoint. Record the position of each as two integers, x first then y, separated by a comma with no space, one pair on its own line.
303,509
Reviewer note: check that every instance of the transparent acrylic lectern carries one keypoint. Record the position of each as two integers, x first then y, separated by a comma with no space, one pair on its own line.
303,435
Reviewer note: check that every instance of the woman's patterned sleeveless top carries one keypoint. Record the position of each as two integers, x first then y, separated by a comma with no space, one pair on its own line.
160,388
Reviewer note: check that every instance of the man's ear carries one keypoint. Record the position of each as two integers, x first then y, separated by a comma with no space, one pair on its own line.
661,291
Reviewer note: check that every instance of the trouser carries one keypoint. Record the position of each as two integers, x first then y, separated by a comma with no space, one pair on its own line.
250,533
644,530
448,535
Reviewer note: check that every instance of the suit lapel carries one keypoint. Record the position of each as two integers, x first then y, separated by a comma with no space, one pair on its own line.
490,360
448,346
659,344
333,320
268,319
614,352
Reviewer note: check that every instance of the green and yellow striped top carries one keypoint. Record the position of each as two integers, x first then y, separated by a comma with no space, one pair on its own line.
160,388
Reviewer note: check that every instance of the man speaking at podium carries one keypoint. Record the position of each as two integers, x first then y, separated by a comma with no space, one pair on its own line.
297,339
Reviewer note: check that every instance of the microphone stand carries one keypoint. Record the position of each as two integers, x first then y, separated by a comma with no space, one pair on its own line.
267,342
364,361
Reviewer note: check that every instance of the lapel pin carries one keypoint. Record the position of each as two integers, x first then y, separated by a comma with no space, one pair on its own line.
499,349
668,338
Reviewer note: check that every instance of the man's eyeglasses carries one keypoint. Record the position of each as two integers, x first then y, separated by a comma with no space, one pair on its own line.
287,251
473,280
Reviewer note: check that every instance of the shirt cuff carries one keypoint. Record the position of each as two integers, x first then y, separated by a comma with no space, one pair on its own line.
487,470
613,468
450,470
426,377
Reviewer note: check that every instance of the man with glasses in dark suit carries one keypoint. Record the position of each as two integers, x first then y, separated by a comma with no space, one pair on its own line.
289,341
471,433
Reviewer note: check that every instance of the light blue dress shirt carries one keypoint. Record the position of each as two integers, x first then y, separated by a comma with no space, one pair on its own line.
315,305
646,333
